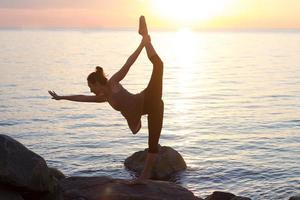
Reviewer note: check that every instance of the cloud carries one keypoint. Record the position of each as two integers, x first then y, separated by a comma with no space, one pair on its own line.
66,13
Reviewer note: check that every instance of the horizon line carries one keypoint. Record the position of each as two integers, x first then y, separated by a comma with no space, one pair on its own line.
154,29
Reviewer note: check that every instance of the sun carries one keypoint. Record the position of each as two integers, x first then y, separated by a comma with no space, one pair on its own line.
190,11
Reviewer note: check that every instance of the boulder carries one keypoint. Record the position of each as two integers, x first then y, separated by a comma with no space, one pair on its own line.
6,194
22,168
55,194
295,197
168,162
95,188
217,195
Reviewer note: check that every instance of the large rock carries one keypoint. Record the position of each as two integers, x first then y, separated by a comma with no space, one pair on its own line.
218,195
295,197
22,168
168,162
7,194
95,188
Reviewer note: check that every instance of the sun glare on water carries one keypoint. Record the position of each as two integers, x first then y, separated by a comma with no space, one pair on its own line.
190,11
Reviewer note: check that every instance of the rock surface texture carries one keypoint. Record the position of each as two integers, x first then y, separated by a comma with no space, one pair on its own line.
25,175
95,188
295,197
6,194
218,195
22,168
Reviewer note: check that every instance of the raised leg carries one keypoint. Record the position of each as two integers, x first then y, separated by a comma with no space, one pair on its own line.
143,31
150,49
143,26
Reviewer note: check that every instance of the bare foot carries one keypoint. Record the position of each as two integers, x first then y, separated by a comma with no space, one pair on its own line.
143,31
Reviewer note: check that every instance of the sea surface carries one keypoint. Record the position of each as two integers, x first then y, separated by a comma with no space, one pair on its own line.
232,104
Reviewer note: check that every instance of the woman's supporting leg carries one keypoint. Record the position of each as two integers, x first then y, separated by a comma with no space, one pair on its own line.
155,121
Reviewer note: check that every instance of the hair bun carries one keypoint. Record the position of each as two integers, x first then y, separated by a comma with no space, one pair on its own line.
99,69
97,76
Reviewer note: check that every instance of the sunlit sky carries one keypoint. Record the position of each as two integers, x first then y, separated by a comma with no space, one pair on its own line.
162,14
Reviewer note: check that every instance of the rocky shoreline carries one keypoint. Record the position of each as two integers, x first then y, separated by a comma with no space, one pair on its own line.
24,175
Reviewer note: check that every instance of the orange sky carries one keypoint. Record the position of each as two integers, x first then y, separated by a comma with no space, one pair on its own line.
196,14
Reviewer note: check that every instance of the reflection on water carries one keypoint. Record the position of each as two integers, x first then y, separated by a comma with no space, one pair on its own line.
231,105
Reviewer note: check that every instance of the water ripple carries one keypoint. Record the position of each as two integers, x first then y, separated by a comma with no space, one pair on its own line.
231,110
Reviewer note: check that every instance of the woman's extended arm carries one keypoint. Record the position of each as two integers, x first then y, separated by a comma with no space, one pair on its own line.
79,98
117,77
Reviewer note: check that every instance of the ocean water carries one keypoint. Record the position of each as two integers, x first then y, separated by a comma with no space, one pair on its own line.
232,105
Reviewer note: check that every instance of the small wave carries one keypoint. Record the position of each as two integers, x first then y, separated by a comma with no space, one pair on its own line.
85,125
83,116
294,121
9,85
8,123
19,122
91,172
12,123
274,96
39,120
37,97
283,124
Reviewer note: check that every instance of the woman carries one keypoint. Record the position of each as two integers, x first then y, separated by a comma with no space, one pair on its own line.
132,106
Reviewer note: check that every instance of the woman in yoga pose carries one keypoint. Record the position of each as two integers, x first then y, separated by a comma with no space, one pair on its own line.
132,106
